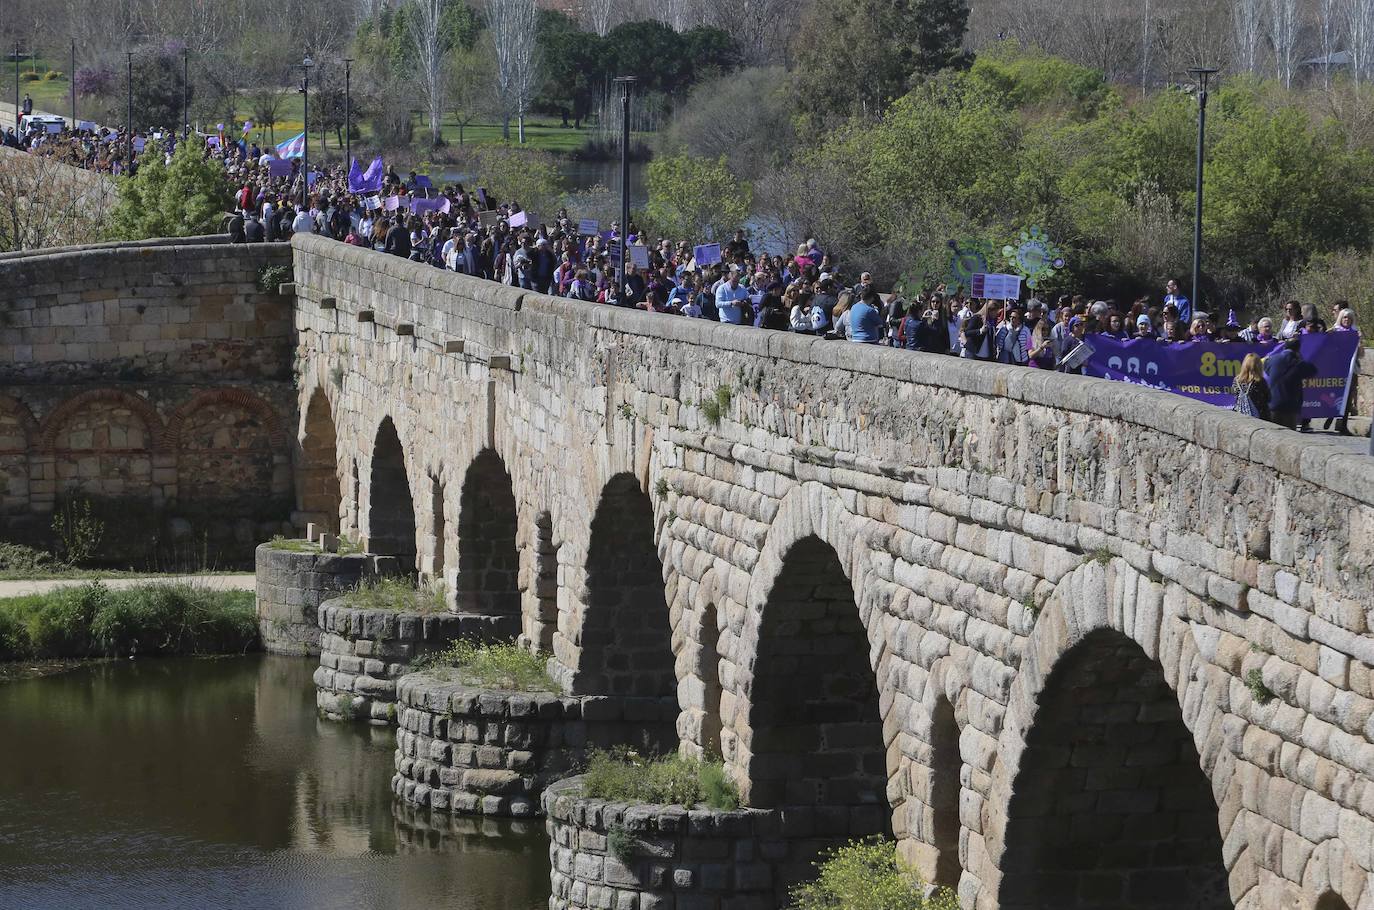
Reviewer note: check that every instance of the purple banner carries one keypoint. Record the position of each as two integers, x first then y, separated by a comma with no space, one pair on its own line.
1206,370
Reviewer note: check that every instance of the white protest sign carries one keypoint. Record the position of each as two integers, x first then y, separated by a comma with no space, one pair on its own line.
639,256
992,286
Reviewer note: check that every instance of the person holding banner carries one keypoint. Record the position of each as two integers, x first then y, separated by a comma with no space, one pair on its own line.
1285,371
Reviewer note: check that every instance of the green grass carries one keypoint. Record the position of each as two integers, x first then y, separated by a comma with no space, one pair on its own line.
867,875
293,545
392,593
622,774
91,620
504,666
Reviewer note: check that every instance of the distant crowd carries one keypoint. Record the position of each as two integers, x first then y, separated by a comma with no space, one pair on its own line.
463,229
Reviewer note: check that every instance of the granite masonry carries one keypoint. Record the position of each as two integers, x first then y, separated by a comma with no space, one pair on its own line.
292,583
1078,642
463,749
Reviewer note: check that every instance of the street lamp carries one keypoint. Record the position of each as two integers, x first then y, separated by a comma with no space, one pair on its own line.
73,83
305,66
129,123
186,91
348,112
16,87
627,85
1200,74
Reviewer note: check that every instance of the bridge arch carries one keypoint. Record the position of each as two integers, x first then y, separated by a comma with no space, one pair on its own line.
488,558
390,505
1106,798
624,639
318,493
17,432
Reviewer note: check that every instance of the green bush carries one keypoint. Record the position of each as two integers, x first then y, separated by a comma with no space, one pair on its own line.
395,593
866,875
30,77
623,774
91,619
272,276
19,559
54,75
505,666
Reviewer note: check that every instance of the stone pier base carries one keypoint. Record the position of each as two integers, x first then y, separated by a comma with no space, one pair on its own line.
608,854
291,586
462,749
364,652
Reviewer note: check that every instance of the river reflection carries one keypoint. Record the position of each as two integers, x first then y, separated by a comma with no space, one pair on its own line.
211,783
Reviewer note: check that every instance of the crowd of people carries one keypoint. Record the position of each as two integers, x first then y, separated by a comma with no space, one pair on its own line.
465,230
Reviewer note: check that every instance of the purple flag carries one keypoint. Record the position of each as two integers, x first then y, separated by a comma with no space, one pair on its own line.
279,167
369,181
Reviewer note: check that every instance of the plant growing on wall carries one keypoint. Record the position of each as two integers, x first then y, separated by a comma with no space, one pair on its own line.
78,530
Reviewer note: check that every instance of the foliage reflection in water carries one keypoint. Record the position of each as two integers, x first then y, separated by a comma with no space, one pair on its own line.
186,783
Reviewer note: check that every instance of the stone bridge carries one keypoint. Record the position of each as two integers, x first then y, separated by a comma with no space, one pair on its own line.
1079,644
1072,643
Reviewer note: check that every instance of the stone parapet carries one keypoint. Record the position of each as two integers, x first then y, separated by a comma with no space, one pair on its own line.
467,750
363,652
616,854
291,586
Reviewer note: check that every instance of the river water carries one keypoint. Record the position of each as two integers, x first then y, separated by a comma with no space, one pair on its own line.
187,783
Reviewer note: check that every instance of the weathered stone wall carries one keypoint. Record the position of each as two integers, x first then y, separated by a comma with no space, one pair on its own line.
291,586
155,380
363,652
979,526
476,751
682,858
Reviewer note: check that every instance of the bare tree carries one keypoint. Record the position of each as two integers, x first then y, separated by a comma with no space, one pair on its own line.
430,59
599,15
513,26
1328,25
1359,32
1283,35
1247,20
266,104
470,87
48,203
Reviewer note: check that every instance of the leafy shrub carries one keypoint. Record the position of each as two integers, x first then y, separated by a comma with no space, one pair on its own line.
30,77
91,619
79,530
491,666
623,774
59,624
272,276
866,875
393,593
14,637
54,75
18,559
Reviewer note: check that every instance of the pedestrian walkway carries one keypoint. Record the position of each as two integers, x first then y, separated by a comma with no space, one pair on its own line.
236,582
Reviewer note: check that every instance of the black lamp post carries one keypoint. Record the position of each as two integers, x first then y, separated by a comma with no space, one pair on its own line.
185,92
305,66
627,85
16,86
348,112
1201,75
73,83
129,123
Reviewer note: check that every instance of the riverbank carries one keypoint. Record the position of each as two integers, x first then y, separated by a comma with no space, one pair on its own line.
96,620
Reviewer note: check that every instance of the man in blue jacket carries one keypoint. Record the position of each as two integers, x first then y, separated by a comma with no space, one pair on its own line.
1284,371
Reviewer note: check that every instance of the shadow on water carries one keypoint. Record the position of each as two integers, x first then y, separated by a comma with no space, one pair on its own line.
211,783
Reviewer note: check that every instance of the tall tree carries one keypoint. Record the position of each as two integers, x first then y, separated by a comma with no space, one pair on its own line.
857,56
1359,35
427,44
1248,21
1329,27
1284,23
514,29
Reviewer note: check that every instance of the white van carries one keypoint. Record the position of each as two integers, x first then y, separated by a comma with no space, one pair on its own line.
46,123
